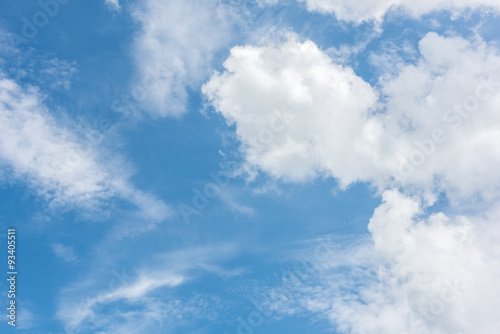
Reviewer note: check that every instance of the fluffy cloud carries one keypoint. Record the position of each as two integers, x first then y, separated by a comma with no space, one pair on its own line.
66,253
64,166
418,275
294,110
429,126
175,49
442,117
369,10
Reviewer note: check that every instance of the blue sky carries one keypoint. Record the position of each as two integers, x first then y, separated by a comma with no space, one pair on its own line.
267,166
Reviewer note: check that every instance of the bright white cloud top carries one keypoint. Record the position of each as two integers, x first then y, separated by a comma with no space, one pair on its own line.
294,109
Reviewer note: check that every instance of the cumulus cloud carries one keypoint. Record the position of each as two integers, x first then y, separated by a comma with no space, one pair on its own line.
293,110
442,117
175,48
427,126
60,164
418,275
154,314
369,10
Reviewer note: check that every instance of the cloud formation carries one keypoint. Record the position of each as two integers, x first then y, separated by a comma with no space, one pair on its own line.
427,125
293,108
426,128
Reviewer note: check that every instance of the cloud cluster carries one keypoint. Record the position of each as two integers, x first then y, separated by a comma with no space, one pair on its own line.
369,10
427,125
311,106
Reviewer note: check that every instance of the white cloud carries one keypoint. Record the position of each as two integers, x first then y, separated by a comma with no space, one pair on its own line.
299,115
293,108
369,10
65,166
418,275
141,287
455,90
66,253
428,127
175,49
56,73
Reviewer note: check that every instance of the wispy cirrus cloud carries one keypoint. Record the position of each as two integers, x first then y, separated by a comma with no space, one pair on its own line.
59,163
150,292
299,81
